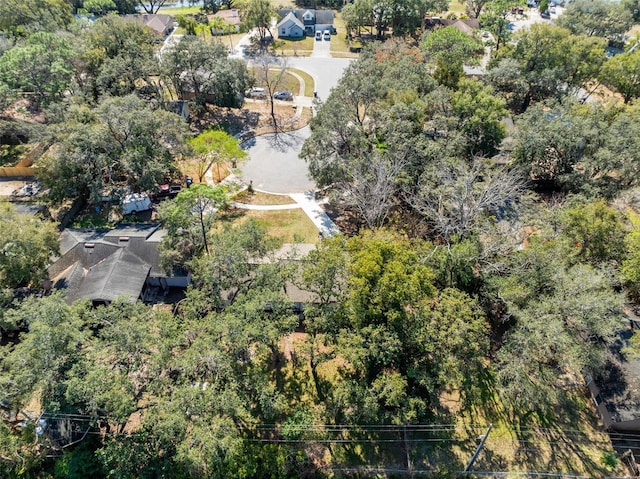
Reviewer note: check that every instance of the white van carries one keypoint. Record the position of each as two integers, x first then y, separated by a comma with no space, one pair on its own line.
135,202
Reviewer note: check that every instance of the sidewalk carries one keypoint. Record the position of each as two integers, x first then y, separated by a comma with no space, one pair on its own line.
314,211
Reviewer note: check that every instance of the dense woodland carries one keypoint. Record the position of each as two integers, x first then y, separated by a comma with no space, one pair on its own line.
492,242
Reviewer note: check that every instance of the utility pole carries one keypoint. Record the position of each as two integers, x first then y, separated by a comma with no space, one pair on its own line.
483,439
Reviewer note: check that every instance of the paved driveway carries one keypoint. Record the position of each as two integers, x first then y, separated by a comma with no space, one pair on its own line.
321,48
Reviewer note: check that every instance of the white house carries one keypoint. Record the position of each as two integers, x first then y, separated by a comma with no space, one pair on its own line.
290,27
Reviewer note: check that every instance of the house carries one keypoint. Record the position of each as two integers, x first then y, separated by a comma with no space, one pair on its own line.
162,25
467,25
229,18
312,21
290,27
101,265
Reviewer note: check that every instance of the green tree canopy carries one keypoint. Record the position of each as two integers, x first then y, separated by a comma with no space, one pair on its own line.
596,18
578,147
117,57
202,71
27,244
214,147
20,19
622,72
551,63
123,143
189,218
38,68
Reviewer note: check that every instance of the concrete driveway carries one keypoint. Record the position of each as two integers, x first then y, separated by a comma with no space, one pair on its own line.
273,163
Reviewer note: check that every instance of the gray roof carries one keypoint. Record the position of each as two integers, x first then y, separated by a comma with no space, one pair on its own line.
102,264
321,16
290,17
120,274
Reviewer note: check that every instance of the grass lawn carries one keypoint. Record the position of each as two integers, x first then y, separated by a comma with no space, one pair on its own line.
456,7
301,47
288,82
260,198
289,225
339,45
179,10
309,82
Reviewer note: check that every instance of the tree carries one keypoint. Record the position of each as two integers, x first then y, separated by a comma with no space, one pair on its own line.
191,213
596,18
455,196
99,7
117,58
474,7
622,72
376,106
564,318
121,144
552,62
39,68
271,72
630,269
227,272
257,14
595,231
26,17
202,70
27,244
44,355
494,18
577,147
479,115
214,147
394,354
450,49
151,6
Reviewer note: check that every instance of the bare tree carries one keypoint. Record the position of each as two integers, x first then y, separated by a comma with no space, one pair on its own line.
371,187
270,72
455,195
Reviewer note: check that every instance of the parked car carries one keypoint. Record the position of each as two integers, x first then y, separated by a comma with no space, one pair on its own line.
318,35
283,95
552,10
326,35
167,191
258,93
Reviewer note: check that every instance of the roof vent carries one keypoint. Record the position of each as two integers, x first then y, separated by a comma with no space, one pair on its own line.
123,238
90,245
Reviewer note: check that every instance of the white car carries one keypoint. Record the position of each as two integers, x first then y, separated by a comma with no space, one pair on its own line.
258,93
326,35
318,35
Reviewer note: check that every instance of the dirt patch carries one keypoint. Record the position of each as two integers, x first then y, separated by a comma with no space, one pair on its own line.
254,117
8,187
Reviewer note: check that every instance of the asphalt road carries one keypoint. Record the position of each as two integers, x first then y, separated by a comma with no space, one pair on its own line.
273,163
325,71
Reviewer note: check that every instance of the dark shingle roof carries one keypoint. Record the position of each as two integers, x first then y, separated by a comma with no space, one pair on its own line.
120,274
102,264
322,16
